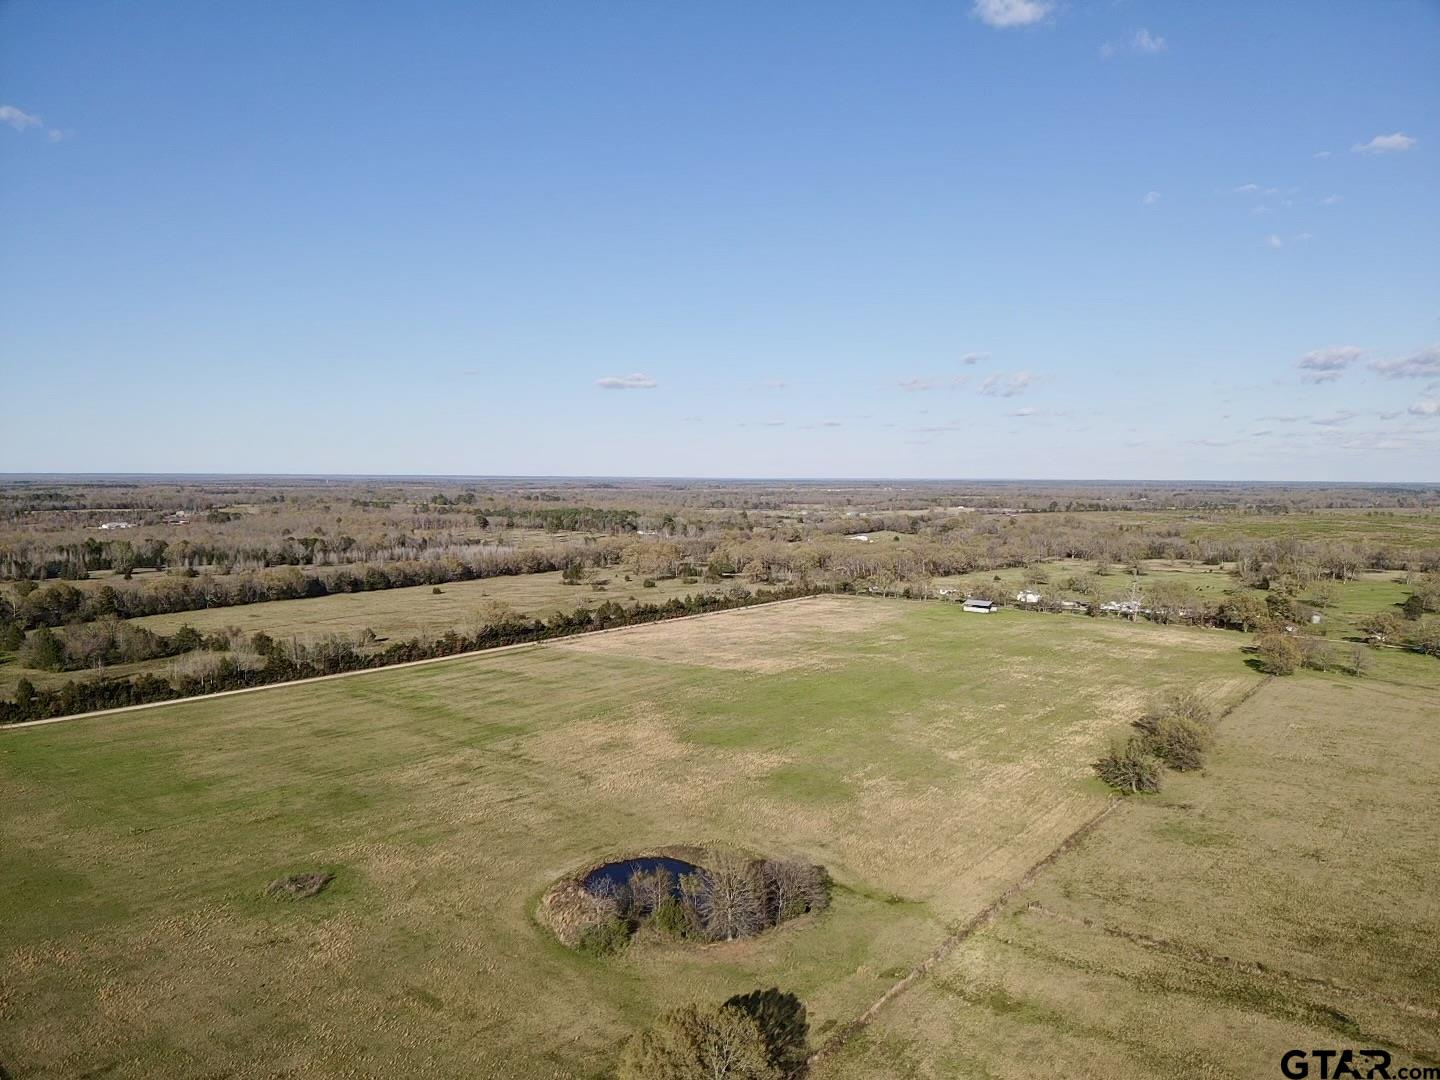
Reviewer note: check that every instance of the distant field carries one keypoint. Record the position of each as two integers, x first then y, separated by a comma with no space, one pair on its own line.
1288,897
926,756
1371,591
1402,529
404,613
391,613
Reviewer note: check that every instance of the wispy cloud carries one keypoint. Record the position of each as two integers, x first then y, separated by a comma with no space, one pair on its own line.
1332,200
18,119
1003,14
1425,408
823,424
1320,155
1424,364
1028,410
972,358
917,384
636,381
1006,385
1150,198
1385,144
1327,364
1141,42
1274,241
1344,416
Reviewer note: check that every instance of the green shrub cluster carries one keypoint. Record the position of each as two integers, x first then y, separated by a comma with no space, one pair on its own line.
1176,731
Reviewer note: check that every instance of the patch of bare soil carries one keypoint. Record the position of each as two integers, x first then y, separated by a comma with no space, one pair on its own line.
298,886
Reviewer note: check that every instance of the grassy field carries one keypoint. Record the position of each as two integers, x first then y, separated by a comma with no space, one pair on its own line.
394,614
927,757
1288,897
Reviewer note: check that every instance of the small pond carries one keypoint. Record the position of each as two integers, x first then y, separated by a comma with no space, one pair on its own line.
616,875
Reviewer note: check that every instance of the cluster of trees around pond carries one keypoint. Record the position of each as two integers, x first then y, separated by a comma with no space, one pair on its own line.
268,661
731,896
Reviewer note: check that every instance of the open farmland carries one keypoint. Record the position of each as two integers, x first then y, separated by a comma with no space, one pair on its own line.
420,611
393,614
928,758
1287,897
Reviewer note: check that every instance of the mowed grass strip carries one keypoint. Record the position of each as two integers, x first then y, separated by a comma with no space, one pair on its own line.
926,756
1288,897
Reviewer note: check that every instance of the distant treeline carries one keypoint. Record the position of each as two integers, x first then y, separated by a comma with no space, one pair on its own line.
58,603
286,661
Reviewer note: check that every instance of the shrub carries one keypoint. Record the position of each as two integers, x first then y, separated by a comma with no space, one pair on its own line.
605,938
783,1025
436,591
1131,768
1426,637
670,918
43,651
648,583
719,1043
1279,654
1190,705
1175,739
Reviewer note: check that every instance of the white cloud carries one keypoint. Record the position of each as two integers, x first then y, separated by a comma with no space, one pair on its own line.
1425,408
1326,365
1385,144
1274,241
1027,411
56,135
917,384
636,381
1150,198
1006,385
18,118
1247,189
972,358
1332,200
1141,41
1320,155
1424,364
774,384
1006,13
1344,416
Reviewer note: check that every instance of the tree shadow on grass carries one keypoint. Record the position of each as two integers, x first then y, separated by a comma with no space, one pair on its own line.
781,1019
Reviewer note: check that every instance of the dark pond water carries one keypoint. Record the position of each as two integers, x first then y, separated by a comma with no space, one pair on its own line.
617,874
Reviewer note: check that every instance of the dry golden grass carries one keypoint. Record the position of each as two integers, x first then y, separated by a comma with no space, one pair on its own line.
1287,897
901,750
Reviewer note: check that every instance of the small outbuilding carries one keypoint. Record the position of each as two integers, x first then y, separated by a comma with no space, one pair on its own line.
1025,596
980,607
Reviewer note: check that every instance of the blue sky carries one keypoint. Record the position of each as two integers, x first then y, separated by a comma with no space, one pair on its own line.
1012,238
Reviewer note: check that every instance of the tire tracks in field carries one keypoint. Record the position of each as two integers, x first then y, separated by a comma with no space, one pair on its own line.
990,912
975,924
1195,954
